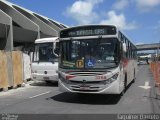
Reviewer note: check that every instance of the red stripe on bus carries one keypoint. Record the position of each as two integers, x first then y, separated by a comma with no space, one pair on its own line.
125,62
69,77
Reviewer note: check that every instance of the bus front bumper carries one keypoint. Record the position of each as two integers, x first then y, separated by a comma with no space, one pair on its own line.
44,77
112,88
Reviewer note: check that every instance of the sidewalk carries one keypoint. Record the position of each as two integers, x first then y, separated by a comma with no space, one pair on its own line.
154,94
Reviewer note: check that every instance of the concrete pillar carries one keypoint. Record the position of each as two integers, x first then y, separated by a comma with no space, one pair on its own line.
6,32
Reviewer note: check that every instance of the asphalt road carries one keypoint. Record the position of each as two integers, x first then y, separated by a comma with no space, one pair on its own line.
46,99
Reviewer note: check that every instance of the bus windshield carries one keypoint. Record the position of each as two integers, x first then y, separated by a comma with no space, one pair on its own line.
44,52
89,53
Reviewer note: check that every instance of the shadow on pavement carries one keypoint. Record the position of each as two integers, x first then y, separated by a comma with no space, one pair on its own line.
95,99
44,84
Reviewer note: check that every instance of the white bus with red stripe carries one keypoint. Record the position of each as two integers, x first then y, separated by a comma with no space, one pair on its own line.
96,59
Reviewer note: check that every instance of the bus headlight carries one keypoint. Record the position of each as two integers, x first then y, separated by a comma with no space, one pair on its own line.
110,80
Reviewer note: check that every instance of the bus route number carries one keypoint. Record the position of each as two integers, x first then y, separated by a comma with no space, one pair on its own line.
101,77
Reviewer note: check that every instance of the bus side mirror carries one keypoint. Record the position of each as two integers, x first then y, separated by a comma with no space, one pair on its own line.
124,47
54,47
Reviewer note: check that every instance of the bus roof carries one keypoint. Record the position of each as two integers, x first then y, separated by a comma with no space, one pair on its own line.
44,40
90,25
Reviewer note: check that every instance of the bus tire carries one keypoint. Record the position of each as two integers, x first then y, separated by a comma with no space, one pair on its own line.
134,77
124,86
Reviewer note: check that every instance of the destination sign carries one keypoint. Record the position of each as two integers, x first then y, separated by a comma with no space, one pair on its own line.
88,31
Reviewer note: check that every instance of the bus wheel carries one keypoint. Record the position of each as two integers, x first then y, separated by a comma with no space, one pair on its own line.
124,86
134,77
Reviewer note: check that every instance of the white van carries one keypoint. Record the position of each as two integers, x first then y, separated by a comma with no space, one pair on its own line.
45,60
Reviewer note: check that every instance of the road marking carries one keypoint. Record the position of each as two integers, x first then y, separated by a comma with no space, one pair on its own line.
146,85
40,94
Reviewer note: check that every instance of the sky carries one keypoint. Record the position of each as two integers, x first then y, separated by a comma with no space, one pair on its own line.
138,19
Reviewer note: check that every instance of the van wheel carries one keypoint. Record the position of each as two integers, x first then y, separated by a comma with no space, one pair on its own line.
48,82
124,86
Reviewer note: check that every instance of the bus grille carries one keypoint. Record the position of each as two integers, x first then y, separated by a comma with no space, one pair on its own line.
87,73
87,82
85,90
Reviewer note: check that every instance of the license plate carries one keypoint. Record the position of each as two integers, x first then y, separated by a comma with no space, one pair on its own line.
46,78
84,87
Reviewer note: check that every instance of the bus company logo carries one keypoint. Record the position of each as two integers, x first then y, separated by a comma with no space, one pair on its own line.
83,86
84,82
45,72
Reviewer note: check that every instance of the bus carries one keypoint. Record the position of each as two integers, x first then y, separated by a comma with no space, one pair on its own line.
45,60
96,59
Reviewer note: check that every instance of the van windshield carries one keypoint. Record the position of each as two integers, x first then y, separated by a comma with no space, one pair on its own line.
44,52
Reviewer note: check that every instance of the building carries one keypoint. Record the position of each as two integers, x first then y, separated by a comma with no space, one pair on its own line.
20,27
